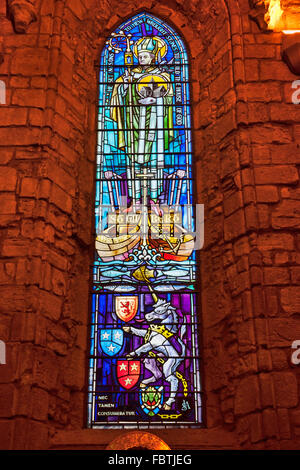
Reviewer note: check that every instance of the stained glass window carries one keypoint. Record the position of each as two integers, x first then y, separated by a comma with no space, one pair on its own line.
144,353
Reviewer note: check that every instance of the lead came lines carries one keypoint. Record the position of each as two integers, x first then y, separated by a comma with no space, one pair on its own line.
181,116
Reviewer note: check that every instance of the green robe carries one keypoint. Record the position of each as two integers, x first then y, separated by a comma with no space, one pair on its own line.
120,113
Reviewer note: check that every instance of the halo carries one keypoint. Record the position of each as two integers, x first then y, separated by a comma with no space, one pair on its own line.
162,46
147,80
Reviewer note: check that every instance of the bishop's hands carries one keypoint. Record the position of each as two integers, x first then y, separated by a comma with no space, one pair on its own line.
147,101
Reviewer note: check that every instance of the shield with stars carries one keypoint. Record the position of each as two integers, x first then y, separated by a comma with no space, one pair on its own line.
126,307
111,340
128,373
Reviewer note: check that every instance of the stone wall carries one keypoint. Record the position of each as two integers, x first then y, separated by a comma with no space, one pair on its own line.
247,156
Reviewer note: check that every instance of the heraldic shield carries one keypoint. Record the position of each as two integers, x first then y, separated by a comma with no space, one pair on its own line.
151,399
128,373
111,340
126,307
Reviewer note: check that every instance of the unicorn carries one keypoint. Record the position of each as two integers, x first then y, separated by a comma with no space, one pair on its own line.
165,337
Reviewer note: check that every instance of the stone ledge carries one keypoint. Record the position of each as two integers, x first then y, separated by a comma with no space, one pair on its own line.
181,439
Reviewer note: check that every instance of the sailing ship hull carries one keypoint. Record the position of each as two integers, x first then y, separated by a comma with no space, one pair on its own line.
175,250
116,248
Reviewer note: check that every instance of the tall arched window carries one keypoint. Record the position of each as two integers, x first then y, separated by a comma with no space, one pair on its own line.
144,357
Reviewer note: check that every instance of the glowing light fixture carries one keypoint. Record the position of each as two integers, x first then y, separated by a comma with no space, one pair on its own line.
291,31
286,21
273,16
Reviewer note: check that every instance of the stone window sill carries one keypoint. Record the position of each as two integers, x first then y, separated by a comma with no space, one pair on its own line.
188,439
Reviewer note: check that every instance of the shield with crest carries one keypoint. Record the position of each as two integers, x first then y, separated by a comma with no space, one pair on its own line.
111,340
151,399
126,307
128,373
